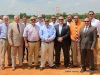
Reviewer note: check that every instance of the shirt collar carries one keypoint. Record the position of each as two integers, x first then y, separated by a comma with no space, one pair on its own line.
61,25
87,26
92,19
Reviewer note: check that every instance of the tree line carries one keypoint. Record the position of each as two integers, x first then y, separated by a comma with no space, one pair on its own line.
64,14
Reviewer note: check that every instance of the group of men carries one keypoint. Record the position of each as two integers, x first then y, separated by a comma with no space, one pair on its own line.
80,38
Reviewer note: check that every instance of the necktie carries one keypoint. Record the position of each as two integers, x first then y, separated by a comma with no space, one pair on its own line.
18,27
48,32
85,30
6,32
37,38
76,31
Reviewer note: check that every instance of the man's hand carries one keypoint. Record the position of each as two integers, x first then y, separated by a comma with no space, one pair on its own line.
48,40
11,44
92,48
78,47
26,45
60,39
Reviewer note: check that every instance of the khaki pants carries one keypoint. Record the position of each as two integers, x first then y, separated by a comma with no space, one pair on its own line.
5,46
20,55
33,47
44,48
75,53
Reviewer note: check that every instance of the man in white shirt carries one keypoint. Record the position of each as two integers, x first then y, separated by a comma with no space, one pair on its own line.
96,23
1,20
24,19
53,23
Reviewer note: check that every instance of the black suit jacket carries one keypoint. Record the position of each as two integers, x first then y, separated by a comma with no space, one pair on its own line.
65,33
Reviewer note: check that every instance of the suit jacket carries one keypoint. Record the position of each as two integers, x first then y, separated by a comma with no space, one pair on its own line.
14,36
65,33
89,40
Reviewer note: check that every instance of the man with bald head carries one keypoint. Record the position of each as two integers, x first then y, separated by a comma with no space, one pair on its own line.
87,43
15,37
61,41
4,44
40,20
31,33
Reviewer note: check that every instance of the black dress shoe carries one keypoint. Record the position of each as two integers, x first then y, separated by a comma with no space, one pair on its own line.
83,70
91,72
9,64
57,66
67,67
52,67
41,68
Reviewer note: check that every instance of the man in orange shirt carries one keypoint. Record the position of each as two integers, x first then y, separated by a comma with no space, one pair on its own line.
74,34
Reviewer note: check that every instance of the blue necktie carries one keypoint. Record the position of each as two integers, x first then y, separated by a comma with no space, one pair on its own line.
85,30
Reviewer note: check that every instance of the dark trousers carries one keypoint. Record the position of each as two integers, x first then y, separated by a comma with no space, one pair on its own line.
65,52
84,53
24,51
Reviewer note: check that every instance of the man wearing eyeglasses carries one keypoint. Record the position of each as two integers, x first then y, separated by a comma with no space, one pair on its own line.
96,23
47,34
4,44
74,34
61,41
87,42
40,21
31,33
53,23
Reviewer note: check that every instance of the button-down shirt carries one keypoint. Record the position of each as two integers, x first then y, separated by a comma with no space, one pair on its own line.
3,30
26,24
29,32
86,27
1,21
46,32
53,24
40,24
60,29
96,23
69,23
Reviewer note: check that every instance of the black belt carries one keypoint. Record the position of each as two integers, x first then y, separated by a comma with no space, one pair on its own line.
47,42
32,41
3,38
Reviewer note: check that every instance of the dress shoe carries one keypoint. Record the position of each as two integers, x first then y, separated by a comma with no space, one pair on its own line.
41,68
57,66
83,70
67,67
53,67
95,67
9,64
22,67
35,67
91,72
2,68
29,67
13,68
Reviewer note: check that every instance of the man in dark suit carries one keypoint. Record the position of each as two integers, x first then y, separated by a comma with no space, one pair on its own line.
61,41
87,42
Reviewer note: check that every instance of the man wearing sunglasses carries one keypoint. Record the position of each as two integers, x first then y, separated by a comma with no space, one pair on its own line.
47,34
40,21
31,33
74,34
53,23
86,43
96,23
61,41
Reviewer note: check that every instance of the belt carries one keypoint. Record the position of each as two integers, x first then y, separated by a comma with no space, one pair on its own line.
3,38
33,41
47,42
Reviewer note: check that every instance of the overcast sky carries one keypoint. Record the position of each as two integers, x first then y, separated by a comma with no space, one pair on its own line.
35,7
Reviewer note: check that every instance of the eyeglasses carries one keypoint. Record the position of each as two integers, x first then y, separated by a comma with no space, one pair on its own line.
47,21
39,17
91,14
53,18
86,21
33,19
61,19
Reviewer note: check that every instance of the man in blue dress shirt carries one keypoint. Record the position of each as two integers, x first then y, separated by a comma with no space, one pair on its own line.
4,44
47,34
40,21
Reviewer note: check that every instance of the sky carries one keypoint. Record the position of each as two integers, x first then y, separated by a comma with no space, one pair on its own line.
35,7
